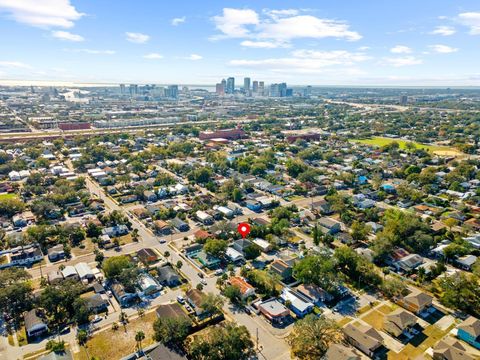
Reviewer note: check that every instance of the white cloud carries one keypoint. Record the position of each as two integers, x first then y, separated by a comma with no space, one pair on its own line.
305,61
443,49
68,36
263,44
279,25
193,57
14,64
444,30
472,20
153,56
401,49
137,38
306,26
92,51
41,13
232,23
403,61
178,21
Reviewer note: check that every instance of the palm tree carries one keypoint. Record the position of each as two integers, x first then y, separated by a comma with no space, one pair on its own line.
123,318
139,337
82,337
167,254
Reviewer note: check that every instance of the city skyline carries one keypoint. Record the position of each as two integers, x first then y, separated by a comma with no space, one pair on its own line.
374,44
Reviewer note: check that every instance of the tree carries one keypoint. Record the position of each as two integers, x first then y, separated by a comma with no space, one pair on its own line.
229,341
139,337
82,338
359,231
215,247
232,293
211,303
15,292
461,291
171,331
82,311
55,346
11,206
319,270
114,266
393,287
312,336
179,264
252,252
123,319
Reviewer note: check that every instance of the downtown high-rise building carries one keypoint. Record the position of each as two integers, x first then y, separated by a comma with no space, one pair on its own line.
261,88
230,89
122,89
220,89
246,84
172,91
255,86
133,89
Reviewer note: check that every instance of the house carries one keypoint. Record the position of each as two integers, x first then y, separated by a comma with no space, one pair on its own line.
253,205
147,256
96,303
321,207
84,271
341,352
234,255
264,245
469,331
149,196
115,231
162,227
450,349
329,226
399,322
54,277
25,257
364,337
56,253
416,301
298,305
158,352
123,297
408,263
104,240
466,262
171,311
167,276
314,294
274,311
241,245
195,298
70,273
201,234
207,260
148,285
282,269
179,224
245,288
34,324
204,217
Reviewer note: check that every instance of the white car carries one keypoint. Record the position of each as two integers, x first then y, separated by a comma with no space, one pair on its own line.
96,319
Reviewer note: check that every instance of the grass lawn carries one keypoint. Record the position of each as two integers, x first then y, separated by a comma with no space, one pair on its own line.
385,309
366,308
382,141
433,333
125,239
11,342
374,319
7,196
110,344
22,337
87,248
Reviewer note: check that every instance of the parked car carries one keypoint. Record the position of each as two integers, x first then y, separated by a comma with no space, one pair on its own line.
200,275
180,299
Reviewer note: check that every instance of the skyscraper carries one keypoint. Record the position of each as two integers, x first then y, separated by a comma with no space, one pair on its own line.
246,84
122,89
172,91
261,88
255,86
230,85
133,89
220,89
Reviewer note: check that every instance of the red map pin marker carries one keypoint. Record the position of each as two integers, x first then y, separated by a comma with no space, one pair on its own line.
243,229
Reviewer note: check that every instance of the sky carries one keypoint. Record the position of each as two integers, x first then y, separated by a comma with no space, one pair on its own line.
321,42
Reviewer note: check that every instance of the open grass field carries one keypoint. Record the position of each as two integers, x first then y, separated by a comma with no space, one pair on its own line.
115,344
7,196
382,141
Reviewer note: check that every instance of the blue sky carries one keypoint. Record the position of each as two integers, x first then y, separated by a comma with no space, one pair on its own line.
349,42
